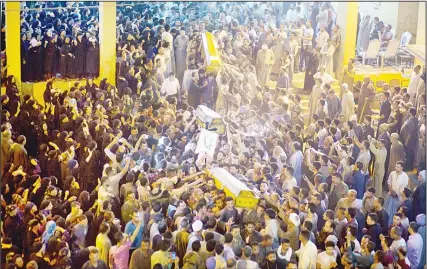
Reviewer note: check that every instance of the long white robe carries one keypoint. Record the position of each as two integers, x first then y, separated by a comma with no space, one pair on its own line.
413,87
327,59
379,167
181,43
347,104
363,37
314,99
264,62
326,78
166,36
188,77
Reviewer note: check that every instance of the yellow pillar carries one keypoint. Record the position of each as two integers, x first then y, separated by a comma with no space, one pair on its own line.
421,30
107,41
347,20
349,43
13,40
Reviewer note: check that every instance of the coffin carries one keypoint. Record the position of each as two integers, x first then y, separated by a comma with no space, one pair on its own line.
210,53
205,114
243,196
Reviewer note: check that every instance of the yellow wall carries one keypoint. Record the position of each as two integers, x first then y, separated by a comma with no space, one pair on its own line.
349,43
107,38
13,40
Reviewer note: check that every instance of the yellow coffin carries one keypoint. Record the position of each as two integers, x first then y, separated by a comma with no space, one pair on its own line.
205,114
210,53
243,196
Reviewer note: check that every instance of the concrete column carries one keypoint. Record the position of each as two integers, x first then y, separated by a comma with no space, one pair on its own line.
107,41
421,25
407,19
347,21
13,40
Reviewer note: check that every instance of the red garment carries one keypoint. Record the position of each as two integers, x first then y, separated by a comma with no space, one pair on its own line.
388,258
403,264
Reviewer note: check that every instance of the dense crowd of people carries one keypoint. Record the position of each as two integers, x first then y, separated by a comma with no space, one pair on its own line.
107,176
59,40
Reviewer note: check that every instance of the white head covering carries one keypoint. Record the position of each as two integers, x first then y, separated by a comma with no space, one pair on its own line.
357,204
423,175
332,238
197,225
294,218
34,42
421,219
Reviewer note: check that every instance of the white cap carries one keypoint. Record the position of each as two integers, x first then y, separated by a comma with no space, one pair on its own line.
294,218
332,238
197,226
357,204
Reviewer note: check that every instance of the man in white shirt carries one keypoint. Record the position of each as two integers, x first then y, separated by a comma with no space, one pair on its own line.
364,155
322,18
290,180
322,38
307,254
296,161
112,184
307,44
397,181
167,36
170,86
246,261
415,246
271,227
291,14
398,241
228,249
327,258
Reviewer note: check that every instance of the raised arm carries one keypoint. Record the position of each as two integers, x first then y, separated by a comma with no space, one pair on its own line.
187,127
135,233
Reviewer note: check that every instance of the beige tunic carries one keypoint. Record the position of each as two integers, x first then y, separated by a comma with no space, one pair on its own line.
264,62
347,76
314,99
347,105
379,167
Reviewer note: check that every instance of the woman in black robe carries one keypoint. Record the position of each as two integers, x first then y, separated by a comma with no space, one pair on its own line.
91,167
33,57
312,67
92,58
40,59
49,44
27,129
91,86
24,61
60,40
12,90
79,45
149,41
66,62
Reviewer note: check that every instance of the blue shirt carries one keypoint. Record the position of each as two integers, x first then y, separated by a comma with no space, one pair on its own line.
358,184
129,229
